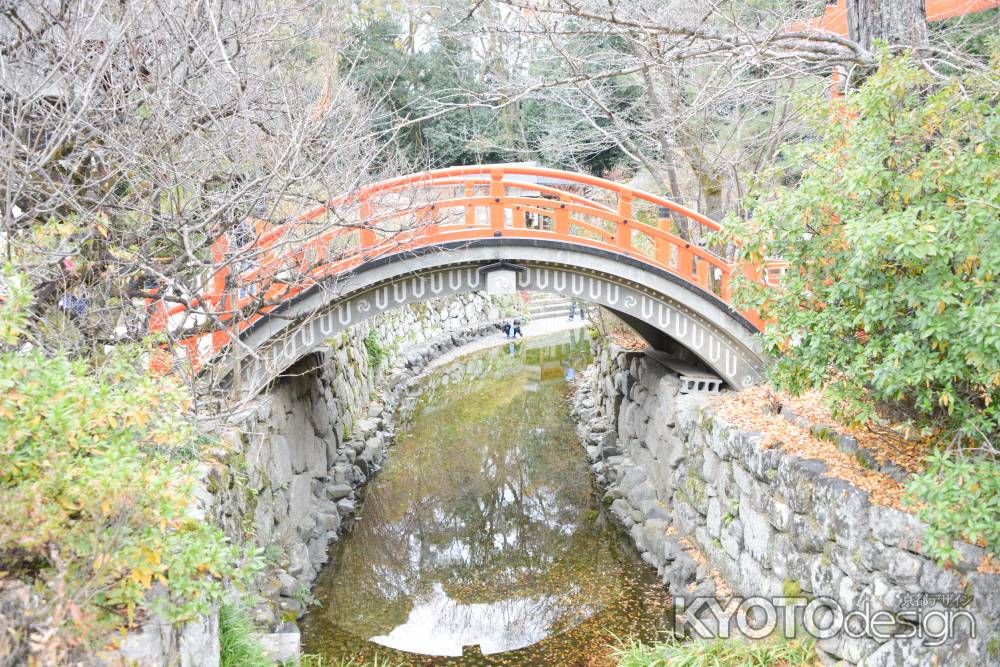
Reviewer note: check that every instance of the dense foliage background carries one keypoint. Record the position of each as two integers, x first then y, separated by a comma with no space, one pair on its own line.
890,300
96,492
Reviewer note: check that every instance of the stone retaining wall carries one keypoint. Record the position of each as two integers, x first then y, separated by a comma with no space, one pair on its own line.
294,461
678,476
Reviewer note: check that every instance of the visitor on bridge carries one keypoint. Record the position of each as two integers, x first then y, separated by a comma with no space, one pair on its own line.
574,305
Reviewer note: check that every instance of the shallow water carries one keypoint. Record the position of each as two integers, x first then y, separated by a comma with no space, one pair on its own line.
483,540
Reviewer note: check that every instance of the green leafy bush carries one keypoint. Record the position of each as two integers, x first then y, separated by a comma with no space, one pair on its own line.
890,302
97,472
959,498
891,236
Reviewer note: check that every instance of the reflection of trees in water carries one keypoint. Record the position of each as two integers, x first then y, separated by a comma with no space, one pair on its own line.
442,626
485,494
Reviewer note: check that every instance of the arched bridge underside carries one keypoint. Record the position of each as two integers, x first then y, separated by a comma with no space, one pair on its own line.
703,324
276,292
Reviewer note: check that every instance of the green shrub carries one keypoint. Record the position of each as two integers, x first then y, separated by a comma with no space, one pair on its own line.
891,303
959,498
97,471
716,653
891,232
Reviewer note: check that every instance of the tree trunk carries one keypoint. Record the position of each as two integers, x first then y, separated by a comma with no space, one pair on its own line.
666,153
894,22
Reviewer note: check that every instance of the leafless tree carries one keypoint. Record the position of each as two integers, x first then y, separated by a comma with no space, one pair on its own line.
716,80
135,133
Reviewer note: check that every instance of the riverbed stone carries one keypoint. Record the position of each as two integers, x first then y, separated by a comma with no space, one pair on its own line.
327,517
298,558
903,566
786,560
337,491
794,481
686,518
655,535
640,492
711,462
159,642
807,534
842,509
824,577
780,515
281,647
681,572
299,498
346,507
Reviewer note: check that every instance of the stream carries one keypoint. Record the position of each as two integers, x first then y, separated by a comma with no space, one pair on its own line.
483,540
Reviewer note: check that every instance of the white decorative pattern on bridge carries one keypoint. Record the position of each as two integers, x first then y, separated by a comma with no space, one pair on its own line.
739,366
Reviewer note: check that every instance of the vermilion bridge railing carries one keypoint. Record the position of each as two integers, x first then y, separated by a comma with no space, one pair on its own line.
429,209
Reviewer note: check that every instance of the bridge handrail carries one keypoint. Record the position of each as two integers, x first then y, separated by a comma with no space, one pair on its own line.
309,257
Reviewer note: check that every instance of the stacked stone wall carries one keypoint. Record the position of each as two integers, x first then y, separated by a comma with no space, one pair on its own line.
770,523
294,461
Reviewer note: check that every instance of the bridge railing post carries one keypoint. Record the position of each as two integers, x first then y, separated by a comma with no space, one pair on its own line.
661,247
753,273
561,216
623,234
750,270
684,259
470,211
220,247
367,236
496,194
158,317
725,286
701,271
520,221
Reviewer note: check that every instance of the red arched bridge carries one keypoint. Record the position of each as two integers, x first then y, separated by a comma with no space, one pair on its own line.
278,292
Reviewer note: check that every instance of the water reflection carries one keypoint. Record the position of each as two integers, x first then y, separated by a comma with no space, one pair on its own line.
483,528
439,625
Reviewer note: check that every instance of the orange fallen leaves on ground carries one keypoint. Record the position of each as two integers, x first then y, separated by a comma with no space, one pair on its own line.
743,410
988,565
882,441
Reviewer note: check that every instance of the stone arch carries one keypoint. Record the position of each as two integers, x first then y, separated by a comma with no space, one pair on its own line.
707,327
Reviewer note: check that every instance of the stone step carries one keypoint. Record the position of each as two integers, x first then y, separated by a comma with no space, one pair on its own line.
545,307
556,312
543,297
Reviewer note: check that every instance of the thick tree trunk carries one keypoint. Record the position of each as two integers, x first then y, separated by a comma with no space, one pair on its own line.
902,22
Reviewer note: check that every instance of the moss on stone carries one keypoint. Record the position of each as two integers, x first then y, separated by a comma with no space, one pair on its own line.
825,433
863,461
